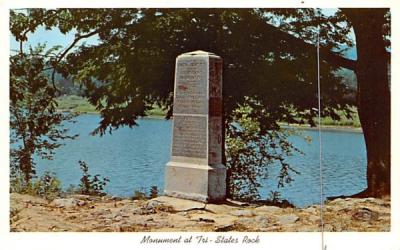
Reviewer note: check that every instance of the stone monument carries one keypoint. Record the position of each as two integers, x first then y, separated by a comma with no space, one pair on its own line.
195,170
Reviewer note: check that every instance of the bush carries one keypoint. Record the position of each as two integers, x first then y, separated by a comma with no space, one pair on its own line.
139,194
254,144
153,192
274,197
47,186
91,185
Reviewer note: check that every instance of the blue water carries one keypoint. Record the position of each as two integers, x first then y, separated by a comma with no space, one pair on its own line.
134,159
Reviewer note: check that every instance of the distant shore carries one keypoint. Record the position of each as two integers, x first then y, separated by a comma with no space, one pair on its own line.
72,103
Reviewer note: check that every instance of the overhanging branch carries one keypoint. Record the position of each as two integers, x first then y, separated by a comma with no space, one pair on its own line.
64,53
325,54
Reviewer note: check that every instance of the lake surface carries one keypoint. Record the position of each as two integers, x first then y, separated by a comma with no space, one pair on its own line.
135,159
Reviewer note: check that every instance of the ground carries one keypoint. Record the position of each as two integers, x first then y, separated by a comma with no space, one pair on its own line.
79,213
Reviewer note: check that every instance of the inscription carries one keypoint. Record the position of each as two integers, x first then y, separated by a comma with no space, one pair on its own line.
189,136
215,100
215,70
191,86
215,140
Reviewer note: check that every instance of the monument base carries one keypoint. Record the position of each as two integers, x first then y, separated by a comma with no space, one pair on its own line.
203,183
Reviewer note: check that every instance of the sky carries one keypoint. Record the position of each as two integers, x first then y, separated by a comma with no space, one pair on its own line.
51,38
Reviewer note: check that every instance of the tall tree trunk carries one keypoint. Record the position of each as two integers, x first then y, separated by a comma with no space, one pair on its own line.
373,96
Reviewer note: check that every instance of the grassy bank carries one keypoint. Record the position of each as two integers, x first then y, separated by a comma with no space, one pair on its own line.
344,121
81,105
76,104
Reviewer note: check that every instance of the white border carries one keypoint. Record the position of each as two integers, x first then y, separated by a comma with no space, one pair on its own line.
280,241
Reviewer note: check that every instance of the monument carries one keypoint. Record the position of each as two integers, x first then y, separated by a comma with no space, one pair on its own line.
195,170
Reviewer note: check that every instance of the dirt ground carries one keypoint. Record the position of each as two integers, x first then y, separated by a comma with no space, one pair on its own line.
79,213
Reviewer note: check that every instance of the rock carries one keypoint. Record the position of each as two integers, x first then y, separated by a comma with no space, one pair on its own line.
18,199
179,205
225,228
116,198
365,214
261,220
329,228
152,204
267,209
99,212
67,202
314,218
242,213
374,201
218,209
348,202
246,221
143,211
311,210
237,203
206,220
288,219
235,227
29,213
81,197
118,218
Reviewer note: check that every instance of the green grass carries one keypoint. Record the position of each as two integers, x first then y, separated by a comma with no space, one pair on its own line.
76,104
81,105
344,121
156,111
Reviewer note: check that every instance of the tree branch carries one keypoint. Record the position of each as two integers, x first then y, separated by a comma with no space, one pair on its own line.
64,53
325,54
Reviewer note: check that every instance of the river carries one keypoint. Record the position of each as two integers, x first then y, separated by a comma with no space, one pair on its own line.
134,159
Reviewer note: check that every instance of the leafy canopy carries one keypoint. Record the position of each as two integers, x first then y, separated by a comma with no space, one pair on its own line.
132,66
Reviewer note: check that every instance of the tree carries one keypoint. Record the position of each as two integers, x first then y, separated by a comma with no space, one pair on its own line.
373,94
269,54
36,127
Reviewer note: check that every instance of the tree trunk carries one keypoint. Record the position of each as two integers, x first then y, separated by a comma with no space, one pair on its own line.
373,97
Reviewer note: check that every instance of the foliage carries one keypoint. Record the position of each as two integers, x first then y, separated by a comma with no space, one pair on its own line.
91,185
139,194
153,192
118,72
274,197
47,186
252,150
36,126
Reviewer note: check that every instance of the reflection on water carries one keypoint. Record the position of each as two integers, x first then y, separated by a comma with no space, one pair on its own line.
135,158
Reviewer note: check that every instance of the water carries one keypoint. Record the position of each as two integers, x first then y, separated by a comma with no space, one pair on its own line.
135,158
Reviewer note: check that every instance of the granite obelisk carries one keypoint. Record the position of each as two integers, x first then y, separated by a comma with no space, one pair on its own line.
195,170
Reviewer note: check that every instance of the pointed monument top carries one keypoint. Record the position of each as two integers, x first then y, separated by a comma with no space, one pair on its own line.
198,53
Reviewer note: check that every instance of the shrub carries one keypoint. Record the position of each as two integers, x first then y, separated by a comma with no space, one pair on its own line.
91,185
139,194
254,145
47,186
153,192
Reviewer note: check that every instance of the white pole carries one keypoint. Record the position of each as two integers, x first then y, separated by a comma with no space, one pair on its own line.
320,147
